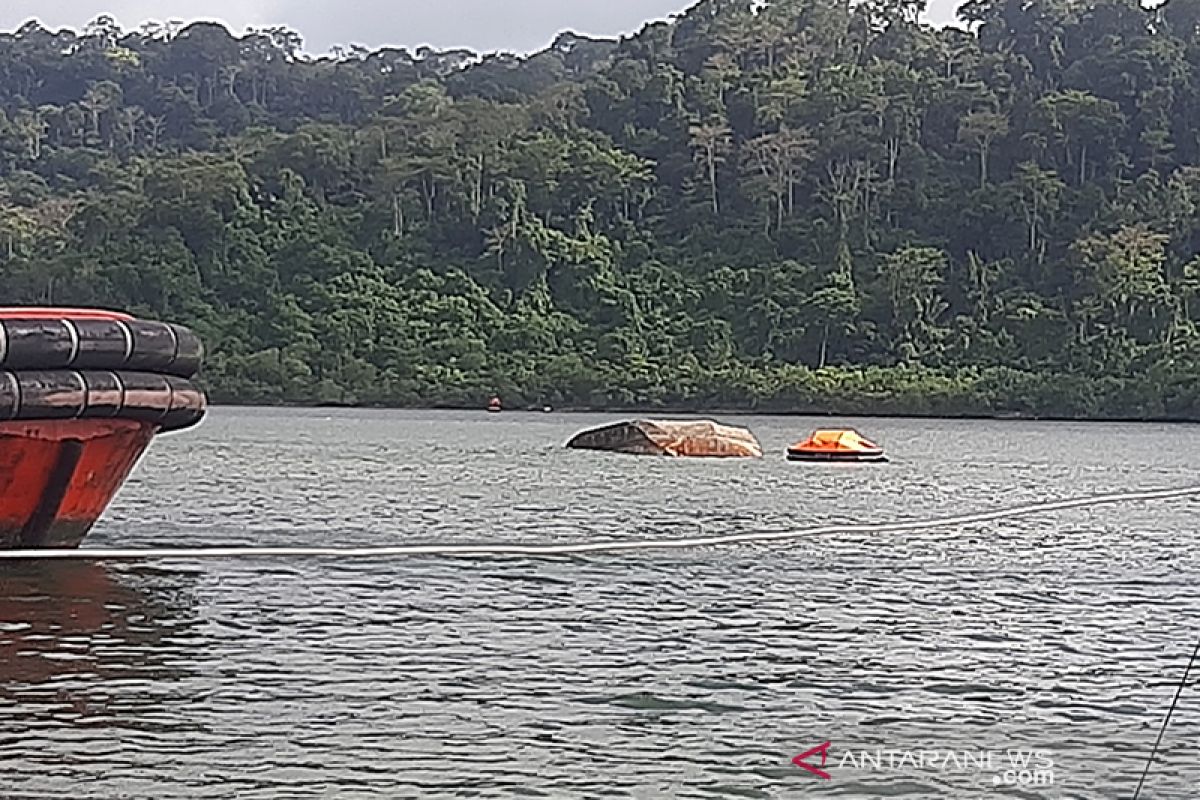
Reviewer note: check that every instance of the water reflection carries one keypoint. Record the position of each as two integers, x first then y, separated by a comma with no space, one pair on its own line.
69,628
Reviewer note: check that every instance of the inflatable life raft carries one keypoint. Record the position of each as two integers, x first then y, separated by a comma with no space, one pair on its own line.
837,445
82,394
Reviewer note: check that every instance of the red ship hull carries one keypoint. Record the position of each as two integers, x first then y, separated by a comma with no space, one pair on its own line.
82,394
58,476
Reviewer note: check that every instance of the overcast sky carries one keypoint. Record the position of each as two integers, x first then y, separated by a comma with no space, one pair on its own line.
482,25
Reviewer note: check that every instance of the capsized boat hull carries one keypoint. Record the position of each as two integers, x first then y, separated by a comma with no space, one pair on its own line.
58,476
673,438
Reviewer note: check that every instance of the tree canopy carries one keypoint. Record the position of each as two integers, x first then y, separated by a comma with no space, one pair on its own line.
808,205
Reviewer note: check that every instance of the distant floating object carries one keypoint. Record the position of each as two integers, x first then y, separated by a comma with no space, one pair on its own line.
547,409
836,445
494,406
679,438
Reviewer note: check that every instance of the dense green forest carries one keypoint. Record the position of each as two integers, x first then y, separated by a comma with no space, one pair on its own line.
803,205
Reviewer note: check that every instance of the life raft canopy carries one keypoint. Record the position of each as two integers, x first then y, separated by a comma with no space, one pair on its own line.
836,445
676,438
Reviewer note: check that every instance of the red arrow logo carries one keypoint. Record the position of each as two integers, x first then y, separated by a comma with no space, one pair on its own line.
823,749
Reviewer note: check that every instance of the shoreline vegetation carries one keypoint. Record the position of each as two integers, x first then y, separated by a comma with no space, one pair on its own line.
961,394
793,206
715,413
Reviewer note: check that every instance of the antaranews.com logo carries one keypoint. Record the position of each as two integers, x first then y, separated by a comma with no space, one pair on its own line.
1010,767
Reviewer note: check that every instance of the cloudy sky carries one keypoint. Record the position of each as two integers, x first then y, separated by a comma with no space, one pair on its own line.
483,25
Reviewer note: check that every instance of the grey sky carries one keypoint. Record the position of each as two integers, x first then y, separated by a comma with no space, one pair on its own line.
483,25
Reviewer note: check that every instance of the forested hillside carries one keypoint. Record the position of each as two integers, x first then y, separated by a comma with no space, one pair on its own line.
796,205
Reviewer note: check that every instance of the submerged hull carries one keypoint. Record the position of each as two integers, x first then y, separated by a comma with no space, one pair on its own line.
58,476
675,438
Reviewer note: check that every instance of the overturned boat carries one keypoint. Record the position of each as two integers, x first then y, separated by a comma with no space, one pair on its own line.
678,438
82,394
836,445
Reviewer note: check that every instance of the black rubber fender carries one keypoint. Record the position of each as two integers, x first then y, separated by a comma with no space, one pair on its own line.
168,401
90,344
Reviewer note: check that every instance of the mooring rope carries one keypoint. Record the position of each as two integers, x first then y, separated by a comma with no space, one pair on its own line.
614,546
608,546
1167,721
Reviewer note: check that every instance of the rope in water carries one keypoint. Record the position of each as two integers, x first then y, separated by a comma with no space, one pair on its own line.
1157,742
525,550
610,546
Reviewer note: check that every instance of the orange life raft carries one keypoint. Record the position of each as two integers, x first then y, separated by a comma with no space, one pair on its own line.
836,445
82,394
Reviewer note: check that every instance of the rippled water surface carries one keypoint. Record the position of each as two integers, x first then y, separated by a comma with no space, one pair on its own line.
923,658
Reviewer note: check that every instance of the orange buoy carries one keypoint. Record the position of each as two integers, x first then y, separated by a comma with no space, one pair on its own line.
836,445
82,394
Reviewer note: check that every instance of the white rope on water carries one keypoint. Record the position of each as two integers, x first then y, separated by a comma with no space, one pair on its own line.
609,546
